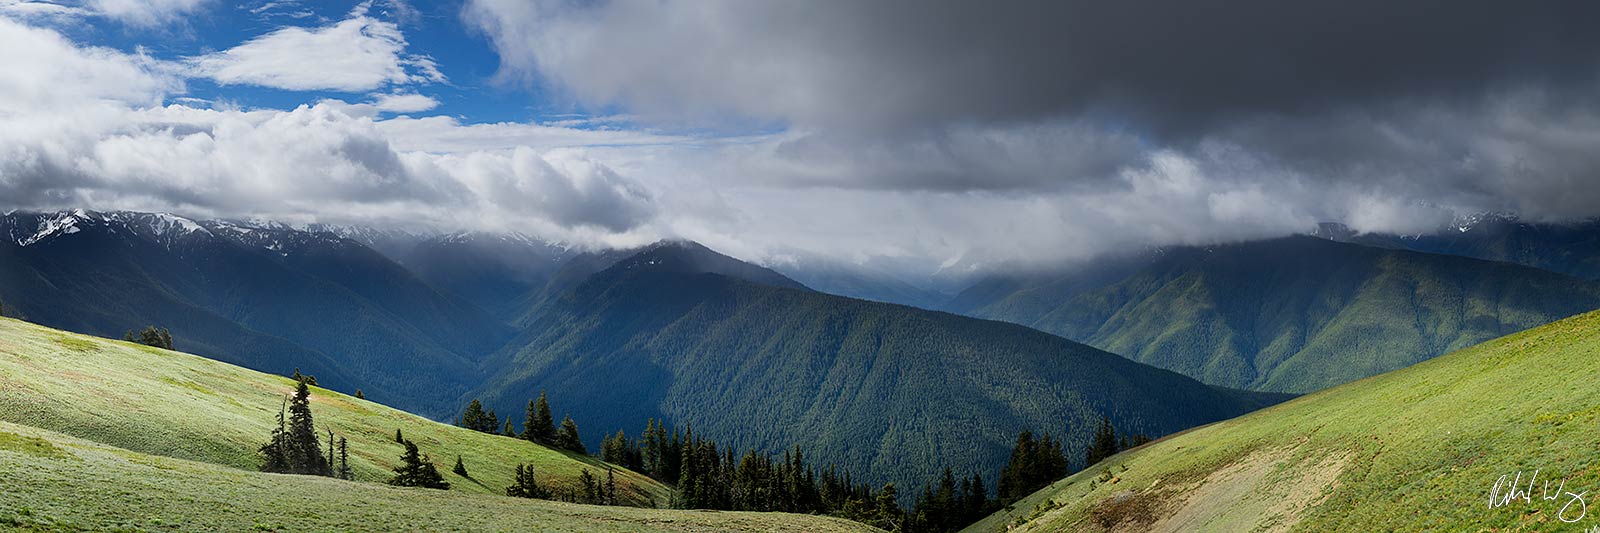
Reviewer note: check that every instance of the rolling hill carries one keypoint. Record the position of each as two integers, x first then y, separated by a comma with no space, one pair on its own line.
1417,449
887,392
263,296
159,402
59,483
1292,315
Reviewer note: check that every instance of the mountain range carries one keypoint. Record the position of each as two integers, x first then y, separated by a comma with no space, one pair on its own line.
261,296
748,357
762,359
1294,314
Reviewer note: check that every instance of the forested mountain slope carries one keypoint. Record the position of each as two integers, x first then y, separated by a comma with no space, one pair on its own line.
1295,314
264,297
885,391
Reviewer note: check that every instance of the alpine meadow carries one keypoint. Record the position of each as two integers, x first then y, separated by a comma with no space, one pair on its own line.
909,266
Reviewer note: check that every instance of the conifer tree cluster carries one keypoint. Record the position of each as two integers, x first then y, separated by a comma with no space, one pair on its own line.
1034,463
526,485
476,419
539,426
950,505
151,336
711,477
416,469
294,446
1107,443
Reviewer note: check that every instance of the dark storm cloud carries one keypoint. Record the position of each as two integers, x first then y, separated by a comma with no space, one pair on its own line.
1167,65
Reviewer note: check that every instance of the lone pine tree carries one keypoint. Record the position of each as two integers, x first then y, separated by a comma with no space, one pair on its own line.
294,447
305,453
567,437
344,459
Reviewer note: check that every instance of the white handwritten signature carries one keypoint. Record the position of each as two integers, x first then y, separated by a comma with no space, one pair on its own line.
1509,489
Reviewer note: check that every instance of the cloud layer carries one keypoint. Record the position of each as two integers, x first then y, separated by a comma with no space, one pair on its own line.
84,127
1048,130
929,132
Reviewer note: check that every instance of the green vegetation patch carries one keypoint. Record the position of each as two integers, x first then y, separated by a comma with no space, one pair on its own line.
1419,449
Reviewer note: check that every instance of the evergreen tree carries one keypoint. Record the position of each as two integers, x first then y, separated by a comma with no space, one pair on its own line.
1103,445
611,487
398,438
128,336
476,419
652,448
276,451
305,453
525,485
591,490
461,468
159,338
567,437
344,459
540,427
417,470
887,514
1034,463
360,395
509,431
308,379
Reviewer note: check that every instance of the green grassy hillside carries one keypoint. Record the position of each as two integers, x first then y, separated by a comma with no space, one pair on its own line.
1296,314
52,482
1417,449
184,406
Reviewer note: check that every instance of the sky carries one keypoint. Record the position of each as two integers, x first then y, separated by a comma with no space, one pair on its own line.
925,132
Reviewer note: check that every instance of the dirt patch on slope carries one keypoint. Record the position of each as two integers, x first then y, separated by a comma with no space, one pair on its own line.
1266,491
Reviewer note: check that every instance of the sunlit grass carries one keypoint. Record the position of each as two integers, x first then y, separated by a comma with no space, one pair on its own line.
178,405
1420,449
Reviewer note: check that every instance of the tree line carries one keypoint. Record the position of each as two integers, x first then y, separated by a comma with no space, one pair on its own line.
538,425
151,336
706,475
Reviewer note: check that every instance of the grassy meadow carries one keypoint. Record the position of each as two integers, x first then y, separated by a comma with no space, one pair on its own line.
53,482
173,404
1418,449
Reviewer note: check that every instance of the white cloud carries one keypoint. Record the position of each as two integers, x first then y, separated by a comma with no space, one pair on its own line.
146,12
357,54
41,70
404,102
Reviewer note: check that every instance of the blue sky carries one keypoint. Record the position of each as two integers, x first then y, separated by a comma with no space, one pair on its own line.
434,30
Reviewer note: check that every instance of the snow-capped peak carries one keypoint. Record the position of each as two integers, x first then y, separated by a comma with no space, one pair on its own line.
61,223
162,227
1466,223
